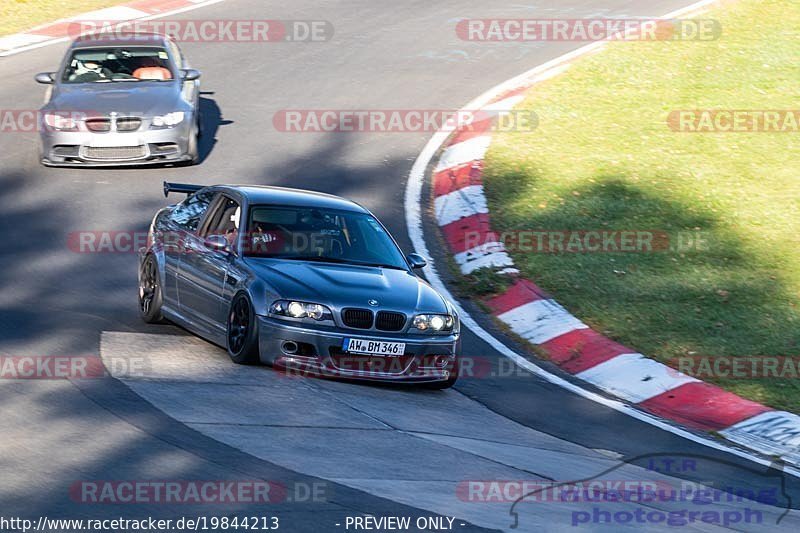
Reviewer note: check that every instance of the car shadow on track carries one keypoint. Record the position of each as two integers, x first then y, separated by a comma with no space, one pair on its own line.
211,119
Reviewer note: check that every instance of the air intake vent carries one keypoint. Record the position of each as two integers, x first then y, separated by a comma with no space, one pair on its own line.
357,318
390,321
119,153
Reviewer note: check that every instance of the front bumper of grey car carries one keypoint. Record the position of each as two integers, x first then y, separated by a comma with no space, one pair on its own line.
312,352
142,145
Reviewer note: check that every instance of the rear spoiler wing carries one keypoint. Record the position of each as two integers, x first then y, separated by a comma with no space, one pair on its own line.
184,188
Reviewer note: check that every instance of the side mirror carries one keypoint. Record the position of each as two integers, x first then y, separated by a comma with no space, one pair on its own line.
217,243
416,261
46,78
190,74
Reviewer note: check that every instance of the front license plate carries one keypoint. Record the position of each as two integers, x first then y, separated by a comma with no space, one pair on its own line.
373,347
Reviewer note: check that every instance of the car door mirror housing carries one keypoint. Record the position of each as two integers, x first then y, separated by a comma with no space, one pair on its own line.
190,74
46,78
416,261
217,243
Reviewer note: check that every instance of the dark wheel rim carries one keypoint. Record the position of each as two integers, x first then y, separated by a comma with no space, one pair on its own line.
238,325
148,286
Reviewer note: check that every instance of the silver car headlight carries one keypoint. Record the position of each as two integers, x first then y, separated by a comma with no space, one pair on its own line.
61,121
434,323
170,120
301,310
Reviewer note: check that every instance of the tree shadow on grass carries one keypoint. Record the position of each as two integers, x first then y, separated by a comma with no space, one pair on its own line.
705,294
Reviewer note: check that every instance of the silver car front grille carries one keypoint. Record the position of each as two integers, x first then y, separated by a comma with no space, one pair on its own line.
126,124
98,125
122,124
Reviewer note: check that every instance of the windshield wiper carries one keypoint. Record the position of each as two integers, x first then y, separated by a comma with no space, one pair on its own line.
318,258
378,265
337,260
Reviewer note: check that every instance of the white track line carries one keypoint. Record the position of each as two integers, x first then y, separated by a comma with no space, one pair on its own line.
199,4
540,321
634,377
459,204
413,211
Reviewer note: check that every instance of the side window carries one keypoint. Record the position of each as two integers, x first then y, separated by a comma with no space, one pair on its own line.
189,213
224,220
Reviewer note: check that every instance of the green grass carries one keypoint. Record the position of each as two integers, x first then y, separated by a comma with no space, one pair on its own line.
20,15
603,157
483,282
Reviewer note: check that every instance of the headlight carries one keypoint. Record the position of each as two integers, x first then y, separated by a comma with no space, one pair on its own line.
169,120
61,121
434,323
294,309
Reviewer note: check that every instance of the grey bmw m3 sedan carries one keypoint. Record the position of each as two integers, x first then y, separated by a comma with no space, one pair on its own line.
121,100
300,280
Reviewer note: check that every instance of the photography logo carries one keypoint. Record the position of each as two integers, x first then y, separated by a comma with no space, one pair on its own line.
734,504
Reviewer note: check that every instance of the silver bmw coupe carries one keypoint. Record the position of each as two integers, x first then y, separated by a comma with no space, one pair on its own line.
128,100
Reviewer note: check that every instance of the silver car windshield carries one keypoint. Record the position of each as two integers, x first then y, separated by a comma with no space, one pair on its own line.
313,234
132,64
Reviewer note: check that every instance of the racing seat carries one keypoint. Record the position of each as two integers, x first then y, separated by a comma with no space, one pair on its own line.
151,70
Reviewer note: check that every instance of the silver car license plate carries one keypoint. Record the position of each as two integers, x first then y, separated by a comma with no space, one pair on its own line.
372,347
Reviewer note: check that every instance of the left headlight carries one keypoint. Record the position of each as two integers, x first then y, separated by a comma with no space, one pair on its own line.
301,310
169,120
430,323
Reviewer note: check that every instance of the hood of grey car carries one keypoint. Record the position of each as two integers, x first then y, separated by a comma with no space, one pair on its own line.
125,98
340,286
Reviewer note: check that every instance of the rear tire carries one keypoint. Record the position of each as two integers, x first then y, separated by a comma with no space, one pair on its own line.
150,296
242,331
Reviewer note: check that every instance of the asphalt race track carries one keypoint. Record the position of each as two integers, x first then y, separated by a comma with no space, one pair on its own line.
191,414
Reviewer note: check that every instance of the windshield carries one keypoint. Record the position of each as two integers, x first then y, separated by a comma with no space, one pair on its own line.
312,234
97,65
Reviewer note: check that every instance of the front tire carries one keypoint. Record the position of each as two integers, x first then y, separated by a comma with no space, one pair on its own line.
242,332
150,296
194,149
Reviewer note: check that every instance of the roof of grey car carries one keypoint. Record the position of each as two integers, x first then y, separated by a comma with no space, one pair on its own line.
110,39
263,194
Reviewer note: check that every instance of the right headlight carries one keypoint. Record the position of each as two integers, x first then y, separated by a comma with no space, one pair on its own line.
301,310
61,121
434,323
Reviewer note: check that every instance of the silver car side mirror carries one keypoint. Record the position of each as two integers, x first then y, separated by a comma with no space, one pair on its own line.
416,261
217,243
46,78
190,74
